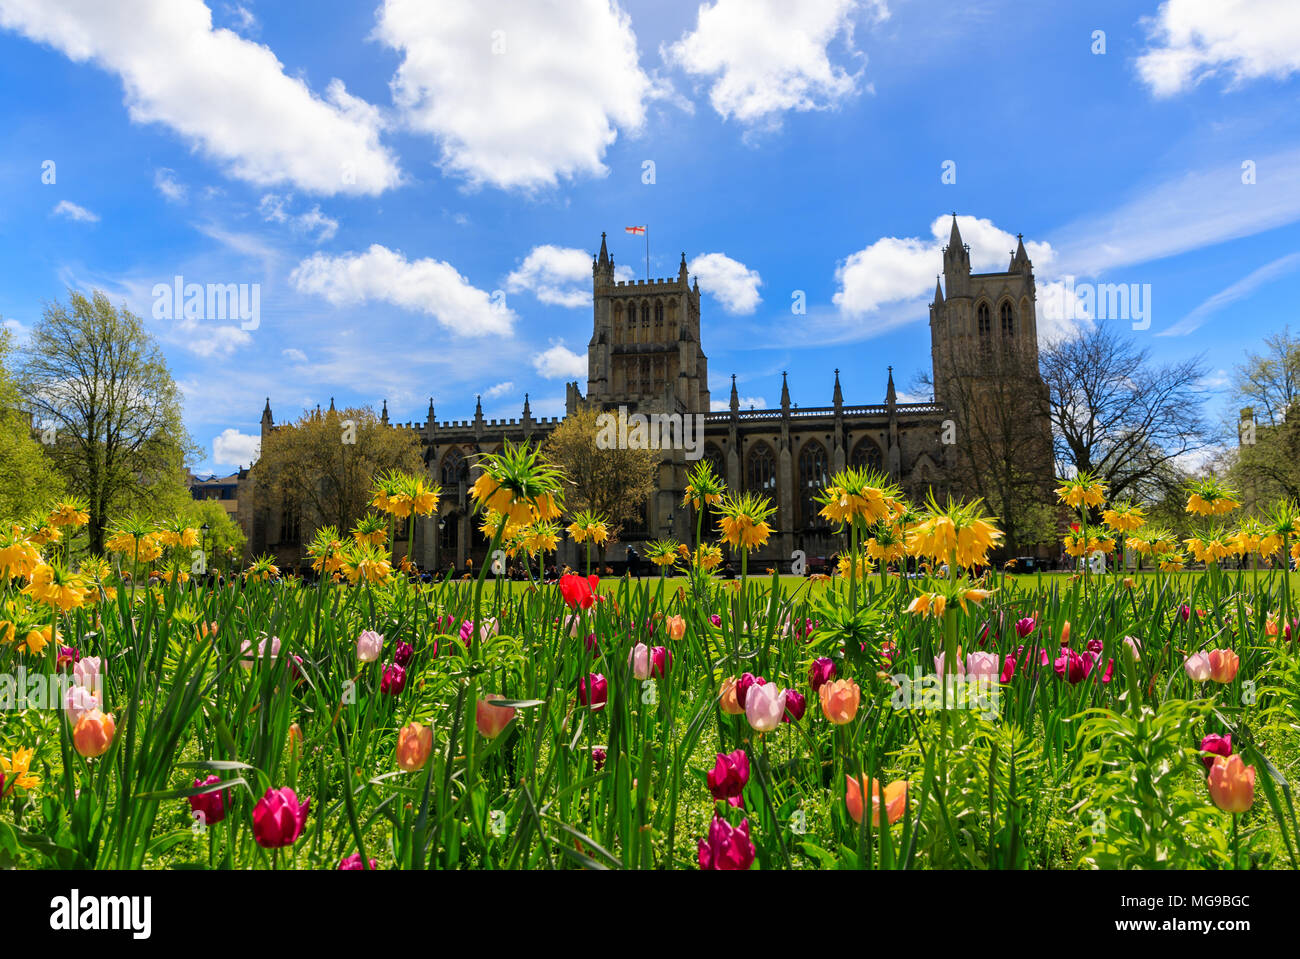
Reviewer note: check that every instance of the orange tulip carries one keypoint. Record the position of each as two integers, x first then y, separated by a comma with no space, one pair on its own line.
895,799
840,700
1232,784
94,733
676,627
1223,665
730,704
492,719
415,742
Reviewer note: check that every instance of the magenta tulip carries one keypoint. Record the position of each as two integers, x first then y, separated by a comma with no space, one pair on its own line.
728,776
727,847
278,818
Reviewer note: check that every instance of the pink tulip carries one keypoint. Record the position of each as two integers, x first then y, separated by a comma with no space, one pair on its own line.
1197,667
1025,626
982,667
369,646
764,707
640,660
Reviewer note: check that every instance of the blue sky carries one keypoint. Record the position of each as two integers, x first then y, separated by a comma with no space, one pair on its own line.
416,189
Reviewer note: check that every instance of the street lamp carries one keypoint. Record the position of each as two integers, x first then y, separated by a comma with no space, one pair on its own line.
205,527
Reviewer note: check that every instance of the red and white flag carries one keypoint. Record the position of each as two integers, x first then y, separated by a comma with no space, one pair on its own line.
634,230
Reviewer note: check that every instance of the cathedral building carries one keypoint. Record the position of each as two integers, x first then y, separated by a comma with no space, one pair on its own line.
646,355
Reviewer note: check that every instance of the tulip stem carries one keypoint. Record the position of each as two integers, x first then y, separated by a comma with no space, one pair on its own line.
1236,842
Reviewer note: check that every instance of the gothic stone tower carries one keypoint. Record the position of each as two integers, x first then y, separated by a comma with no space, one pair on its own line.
645,348
645,355
984,351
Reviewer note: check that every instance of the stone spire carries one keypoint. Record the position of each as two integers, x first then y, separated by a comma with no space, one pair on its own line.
429,415
837,398
383,417
938,292
735,397
681,270
528,413
891,395
1020,259
785,393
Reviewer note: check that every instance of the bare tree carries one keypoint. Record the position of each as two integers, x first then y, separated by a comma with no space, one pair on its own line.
1003,453
1270,384
1121,417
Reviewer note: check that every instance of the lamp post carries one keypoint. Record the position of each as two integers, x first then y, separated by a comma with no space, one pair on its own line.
204,542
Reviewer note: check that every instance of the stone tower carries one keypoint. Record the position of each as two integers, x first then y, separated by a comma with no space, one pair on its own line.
984,351
645,348
981,323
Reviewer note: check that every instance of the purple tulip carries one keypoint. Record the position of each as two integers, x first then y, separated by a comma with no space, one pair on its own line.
727,847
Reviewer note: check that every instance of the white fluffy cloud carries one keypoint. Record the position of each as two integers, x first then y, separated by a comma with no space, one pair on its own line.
501,389
1241,39
227,96
312,223
233,448
746,403
557,275
427,286
732,283
894,269
560,362
517,93
70,210
769,56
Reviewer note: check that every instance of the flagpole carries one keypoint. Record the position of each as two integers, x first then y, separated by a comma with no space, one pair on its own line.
647,252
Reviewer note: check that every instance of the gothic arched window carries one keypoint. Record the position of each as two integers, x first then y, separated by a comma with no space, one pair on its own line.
645,315
868,454
659,316
760,470
455,468
985,320
812,479
713,456
1008,320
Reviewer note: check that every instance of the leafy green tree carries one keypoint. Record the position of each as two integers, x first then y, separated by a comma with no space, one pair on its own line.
27,482
223,540
94,376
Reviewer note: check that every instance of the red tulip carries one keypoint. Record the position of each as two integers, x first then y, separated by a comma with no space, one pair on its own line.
1008,669
727,847
1025,626
354,862
728,776
578,591
278,818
